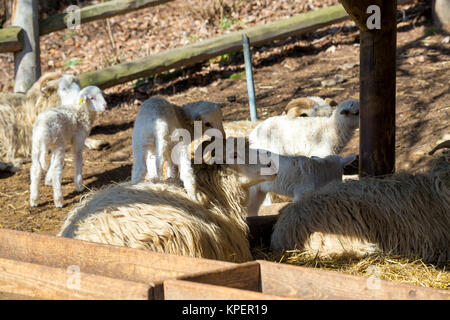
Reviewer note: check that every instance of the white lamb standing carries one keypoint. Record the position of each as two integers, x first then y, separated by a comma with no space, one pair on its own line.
298,175
155,123
53,129
308,136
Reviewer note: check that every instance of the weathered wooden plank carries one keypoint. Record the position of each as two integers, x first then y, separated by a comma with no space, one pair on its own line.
307,283
27,62
210,48
45,282
242,276
186,290
272,209
110,261
96,12
11,39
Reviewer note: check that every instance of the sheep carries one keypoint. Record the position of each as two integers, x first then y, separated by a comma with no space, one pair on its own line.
19,111
297,176
161,216
315,136
310,107
402,214
241,128
52,130
156,123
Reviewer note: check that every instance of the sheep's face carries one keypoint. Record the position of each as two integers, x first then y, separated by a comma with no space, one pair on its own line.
348,111
250,165
92,97
68,89
209,114
253,166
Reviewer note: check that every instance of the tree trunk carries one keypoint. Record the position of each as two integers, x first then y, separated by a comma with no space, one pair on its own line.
27,61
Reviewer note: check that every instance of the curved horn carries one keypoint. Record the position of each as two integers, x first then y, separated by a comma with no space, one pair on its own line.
445,144
46,77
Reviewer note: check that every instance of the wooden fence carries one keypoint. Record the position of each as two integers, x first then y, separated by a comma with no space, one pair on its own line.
12,40
46,267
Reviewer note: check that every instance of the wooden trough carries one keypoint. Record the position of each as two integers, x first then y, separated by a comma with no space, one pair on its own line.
46,267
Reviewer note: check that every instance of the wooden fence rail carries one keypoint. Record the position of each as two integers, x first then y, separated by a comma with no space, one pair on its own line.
96,12
11,39
214,47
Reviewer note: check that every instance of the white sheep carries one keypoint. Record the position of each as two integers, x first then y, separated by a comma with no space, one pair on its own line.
298,175
308,136
161,217
401,214
53,129
153,146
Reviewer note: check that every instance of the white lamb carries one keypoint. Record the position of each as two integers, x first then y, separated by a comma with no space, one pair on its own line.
53,130
156,122
308,136
297,176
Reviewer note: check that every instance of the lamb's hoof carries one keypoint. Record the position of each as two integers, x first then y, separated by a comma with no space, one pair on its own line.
94,144
59,204
48,182
79,188
33,203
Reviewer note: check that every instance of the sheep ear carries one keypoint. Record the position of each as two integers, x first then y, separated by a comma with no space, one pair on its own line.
220,104
347,160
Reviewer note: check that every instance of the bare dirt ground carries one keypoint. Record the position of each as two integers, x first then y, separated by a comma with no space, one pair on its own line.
283,71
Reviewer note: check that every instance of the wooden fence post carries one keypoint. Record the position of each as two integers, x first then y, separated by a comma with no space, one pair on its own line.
27,62
377,20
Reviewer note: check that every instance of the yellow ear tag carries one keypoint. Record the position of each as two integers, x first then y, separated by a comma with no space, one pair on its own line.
81,102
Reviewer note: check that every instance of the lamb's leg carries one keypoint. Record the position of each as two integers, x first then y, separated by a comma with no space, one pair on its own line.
172,171
139,166
57,176
187,174
152,173
35,176
256,199
162,155
49,175
78,160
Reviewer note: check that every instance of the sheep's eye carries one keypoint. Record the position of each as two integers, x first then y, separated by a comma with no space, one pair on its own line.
345,112
303,115
208,125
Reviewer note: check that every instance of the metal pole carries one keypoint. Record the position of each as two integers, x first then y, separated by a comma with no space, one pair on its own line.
249,76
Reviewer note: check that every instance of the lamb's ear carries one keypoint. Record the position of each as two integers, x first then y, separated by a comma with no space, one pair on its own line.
347,160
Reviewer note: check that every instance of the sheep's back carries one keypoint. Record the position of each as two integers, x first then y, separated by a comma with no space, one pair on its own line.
157,217
404,214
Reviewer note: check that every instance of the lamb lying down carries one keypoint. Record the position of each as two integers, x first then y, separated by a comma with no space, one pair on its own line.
297,176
